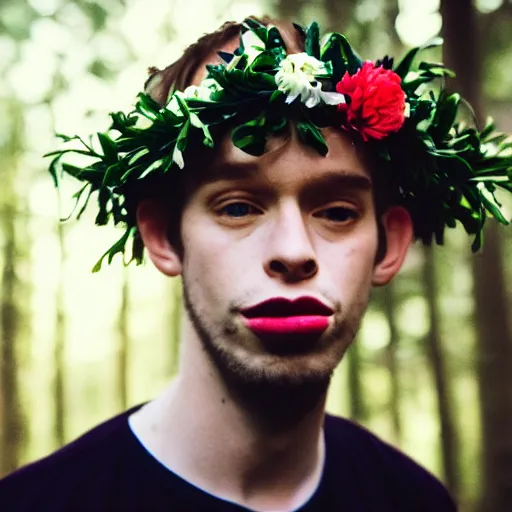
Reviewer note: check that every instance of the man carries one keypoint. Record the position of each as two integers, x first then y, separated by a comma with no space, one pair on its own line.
279,224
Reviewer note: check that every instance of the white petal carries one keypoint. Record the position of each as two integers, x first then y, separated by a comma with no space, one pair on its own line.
292,97
233,62
253,45
177,157
312,101
192,91
250,38
174,106
332,98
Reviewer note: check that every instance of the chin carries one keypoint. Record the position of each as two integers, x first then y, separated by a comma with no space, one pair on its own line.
292,362
278,390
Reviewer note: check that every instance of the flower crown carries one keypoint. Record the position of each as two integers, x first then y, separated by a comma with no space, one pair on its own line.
443,171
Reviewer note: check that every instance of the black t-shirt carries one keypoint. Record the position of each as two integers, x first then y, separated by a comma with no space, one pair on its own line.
108,470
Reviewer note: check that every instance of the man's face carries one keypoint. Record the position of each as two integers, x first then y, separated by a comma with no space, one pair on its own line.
289,224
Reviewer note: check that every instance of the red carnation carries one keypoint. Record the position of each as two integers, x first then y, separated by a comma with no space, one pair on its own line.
377,102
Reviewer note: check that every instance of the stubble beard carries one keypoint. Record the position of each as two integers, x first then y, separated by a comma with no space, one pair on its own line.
276,399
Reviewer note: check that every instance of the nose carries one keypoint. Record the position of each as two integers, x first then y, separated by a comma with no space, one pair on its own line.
290,253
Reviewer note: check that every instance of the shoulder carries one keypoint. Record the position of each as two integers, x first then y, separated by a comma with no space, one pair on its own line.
382,470
60,478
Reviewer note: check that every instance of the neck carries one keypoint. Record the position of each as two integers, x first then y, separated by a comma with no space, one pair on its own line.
259,446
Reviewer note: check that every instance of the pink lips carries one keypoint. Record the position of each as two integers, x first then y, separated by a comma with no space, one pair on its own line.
280,316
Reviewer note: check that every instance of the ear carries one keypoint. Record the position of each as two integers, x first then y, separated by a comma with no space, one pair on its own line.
398,229
153,224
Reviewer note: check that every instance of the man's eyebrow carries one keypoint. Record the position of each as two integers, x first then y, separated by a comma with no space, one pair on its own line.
230,171
341,179
335,179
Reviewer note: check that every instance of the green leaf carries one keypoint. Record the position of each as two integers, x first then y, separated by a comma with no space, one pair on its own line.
219,74
103,213
147,106
253,24
76,151
404,65
505,145
331,52
309,134
489,128
435,71
118,247
52,168
477,243
137,156
276,96
109,148
490,203
77,196
120,121
93,173
151,168
274,39
112,175
86,202
181,142
445,114
257,83
495,138
251,137
264,62
353,61
67,138
312,42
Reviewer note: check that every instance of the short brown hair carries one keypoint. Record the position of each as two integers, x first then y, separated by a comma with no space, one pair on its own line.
178,75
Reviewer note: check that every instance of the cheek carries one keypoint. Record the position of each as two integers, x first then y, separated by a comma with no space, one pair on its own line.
351,264
215,250
214,261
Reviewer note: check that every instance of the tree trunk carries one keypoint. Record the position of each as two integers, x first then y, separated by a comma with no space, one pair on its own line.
12,428
123,351
389,306
494,338
338,15
358,410
449,437
494,374
59,349
392,10
289,10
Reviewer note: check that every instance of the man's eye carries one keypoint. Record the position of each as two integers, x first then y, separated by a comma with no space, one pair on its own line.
337,214
238,209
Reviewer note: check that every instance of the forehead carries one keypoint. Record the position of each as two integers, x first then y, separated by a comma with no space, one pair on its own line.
288,162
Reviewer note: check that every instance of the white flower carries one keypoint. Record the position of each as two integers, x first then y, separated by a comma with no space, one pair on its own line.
203,91
298,76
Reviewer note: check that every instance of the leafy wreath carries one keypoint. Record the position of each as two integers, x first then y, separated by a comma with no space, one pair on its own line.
444,171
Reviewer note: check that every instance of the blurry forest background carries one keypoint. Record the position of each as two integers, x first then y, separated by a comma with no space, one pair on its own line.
431,371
